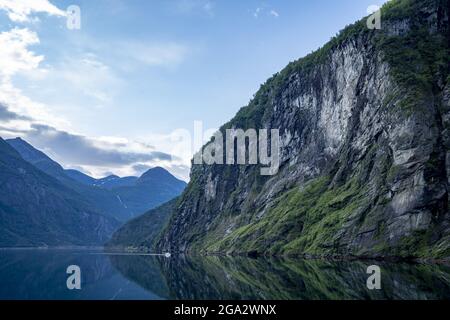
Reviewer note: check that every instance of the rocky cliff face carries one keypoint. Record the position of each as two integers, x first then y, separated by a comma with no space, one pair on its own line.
365,151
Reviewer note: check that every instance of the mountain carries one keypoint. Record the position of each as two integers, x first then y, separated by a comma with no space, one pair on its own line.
113,181
80,177
100,199
38,159
157,182
120,198
140,233
364,128
38,210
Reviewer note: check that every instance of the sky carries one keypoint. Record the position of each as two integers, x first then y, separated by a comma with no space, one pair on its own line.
121,94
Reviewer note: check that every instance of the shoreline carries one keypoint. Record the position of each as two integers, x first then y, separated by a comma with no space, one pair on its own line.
328,257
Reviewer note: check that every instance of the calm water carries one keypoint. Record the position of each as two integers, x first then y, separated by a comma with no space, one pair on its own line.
41,274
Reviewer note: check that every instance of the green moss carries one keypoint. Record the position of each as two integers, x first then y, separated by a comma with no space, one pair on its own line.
300,221
417,59
441,250
381,247
399,9
393,172
415,245
381,229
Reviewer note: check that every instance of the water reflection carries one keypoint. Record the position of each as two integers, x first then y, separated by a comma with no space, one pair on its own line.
271,278
41,274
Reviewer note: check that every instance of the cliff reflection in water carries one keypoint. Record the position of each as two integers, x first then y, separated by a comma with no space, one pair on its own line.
270,278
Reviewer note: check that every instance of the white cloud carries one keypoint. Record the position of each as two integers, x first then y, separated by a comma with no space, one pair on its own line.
86,75
98,156
14,54
22,116
83,75
20,10
168,54
260,10
274,13
16,58
134,54
82,150
204,7
256,13
22,105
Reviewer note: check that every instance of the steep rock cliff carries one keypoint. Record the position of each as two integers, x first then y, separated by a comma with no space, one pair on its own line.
365,150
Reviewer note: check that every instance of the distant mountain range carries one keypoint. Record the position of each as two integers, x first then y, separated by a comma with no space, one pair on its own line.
121,198
38,210
43,204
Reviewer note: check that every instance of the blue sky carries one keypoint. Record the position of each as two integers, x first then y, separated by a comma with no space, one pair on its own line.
138,70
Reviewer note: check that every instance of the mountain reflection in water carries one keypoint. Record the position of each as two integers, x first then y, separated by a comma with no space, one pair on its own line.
41,274
216,277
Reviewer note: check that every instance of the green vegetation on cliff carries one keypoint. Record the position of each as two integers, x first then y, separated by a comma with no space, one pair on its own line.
303,220
363,167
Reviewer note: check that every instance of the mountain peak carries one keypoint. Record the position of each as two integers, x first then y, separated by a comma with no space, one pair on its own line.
111,177
156,172
18,140
6,148
155,169
33,155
